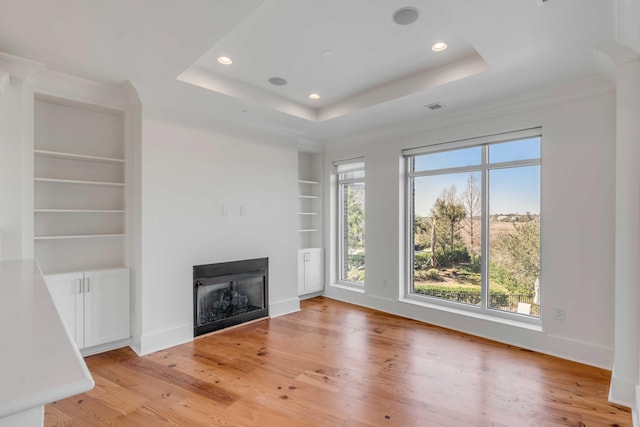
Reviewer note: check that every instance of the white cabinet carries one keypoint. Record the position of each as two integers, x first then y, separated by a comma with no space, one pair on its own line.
310,270
93,305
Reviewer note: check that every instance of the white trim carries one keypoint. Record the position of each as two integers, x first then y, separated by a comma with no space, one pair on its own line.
161,340
472,142
351,165
622,391
527,338
280,308
90,351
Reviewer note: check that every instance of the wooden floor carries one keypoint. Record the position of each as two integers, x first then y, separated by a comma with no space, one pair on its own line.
335,364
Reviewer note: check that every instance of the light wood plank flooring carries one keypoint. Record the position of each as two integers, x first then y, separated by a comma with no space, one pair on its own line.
335,364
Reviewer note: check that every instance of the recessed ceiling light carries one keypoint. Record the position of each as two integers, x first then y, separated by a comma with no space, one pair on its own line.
314,96
278,81
225,60
438,46
406,15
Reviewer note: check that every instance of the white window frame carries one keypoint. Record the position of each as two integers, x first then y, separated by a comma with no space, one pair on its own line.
340,167
484,167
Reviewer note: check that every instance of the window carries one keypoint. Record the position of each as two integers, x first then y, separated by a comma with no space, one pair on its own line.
474,223
351,221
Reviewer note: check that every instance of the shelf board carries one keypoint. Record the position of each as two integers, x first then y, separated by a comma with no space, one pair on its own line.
63,155
308,213
304,181
78,211
77,236
308,197
307,230
74,181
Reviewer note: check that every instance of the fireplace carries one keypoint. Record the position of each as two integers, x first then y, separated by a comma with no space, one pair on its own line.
229,293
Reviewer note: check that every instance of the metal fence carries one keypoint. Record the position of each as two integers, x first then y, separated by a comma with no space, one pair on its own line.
498,301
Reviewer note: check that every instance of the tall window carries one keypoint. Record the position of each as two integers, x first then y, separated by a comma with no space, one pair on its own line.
474,215
351,220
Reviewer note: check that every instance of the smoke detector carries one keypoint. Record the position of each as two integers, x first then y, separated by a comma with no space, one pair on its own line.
542,2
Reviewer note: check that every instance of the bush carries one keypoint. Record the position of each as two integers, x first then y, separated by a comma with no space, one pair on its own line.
448,258
422,261
356,261
433,274
505,278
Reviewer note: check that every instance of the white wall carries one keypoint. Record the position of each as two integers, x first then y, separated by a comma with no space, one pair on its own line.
578,188
189,169
10,173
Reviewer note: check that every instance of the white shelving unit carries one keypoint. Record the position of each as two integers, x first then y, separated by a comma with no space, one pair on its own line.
310,251
79,186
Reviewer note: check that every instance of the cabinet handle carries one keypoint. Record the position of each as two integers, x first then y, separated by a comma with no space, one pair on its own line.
79,286
87,285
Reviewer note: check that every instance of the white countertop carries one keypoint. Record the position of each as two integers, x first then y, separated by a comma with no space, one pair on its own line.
38,361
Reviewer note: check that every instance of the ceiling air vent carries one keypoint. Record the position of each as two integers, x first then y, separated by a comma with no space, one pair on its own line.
435,106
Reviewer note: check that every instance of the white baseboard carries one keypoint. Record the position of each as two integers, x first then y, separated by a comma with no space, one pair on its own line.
623,391
536,340
161,340
280,308
89,351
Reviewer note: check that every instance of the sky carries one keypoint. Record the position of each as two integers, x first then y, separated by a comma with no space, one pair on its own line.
512,190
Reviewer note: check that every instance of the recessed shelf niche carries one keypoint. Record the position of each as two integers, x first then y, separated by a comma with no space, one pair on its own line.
79,186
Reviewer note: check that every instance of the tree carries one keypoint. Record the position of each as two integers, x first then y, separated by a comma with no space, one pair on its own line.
451,212
421,231
446,214
518,253
355,217
471,201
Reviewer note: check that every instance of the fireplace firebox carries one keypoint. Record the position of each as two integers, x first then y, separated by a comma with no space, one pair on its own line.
229,293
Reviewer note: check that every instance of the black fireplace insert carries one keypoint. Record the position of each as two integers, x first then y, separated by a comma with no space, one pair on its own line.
229,293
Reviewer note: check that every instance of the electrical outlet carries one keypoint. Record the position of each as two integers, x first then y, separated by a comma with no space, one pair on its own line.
385,283
558,313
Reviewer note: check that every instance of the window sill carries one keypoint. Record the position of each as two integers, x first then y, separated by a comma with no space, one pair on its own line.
533,325
349,287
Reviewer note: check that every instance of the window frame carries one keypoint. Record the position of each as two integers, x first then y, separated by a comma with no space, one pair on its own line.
340,167
484,167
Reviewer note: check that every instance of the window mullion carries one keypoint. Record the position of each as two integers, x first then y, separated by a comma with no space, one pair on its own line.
484,241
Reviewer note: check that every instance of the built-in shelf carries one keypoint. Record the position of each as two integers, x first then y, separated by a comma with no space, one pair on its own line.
308,213
304,181
307,230
302,196
72,156
79,175
77,236
78,211
74,181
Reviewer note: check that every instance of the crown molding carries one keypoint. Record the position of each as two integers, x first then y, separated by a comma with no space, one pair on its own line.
75,89
545,97
17,68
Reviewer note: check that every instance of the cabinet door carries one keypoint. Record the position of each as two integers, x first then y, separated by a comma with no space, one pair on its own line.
106,306
67,295
313,271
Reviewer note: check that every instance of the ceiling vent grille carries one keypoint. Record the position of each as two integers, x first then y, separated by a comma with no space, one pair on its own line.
435,106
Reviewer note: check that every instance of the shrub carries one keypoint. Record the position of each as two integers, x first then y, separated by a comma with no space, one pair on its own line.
356,261
433,274
448,258
422,261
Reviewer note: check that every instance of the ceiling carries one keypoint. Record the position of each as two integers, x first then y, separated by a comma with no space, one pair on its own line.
377,73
